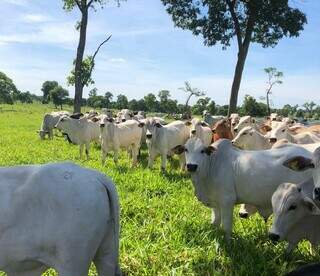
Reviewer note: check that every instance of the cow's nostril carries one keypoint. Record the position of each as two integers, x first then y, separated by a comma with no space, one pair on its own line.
274,237
273,140
193,131
123,120
233,124
243,215
149,136
235,130
102,125
192,167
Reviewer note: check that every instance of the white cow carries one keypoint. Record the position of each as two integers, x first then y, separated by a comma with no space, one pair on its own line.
295,215
162,139
79,132
282,132
234,120
224,176
149,123
58,215
244,122
48,123
251,139
124,115
200,130
126,135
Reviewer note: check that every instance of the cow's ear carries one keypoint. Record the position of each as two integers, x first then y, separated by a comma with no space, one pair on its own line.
213,130
312,207
299,163
188,123
158,125
141,124
208,150
204,124
179,149
94,119
111,120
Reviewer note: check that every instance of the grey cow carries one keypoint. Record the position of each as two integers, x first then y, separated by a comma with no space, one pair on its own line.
296,216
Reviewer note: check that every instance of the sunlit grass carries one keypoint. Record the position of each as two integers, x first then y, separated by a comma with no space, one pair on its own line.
164,229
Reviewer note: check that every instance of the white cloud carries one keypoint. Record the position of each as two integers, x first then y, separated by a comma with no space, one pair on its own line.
117,60
35,18
17,2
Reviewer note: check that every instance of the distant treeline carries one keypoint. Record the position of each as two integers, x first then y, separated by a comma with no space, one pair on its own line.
159,102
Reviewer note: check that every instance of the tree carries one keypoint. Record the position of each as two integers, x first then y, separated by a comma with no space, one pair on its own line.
25,97
7,89
218,21
251,107
212,108
309,106
151,102
190,92
58,95
164,96
122,102
47,86
274,77
108,99
200,106
81,76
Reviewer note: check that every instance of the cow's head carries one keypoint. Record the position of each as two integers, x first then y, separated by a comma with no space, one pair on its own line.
195,152
280,131
289,205
243,122
302,163
246,138
106,121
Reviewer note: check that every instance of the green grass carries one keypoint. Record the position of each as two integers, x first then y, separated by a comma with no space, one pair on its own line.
164,229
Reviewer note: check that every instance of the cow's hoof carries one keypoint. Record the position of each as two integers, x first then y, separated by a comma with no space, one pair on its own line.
243,215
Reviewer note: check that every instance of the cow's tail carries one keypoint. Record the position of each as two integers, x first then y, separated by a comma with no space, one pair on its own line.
114,215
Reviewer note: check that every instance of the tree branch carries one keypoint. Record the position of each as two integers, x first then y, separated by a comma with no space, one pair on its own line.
78,4
90,2
231,6
96,52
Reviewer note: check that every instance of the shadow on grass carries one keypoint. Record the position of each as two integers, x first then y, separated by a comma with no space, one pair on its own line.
243,255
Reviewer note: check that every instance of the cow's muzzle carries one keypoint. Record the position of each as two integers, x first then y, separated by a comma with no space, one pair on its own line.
272,140
316,194
243,215
192,167
274,237
149,136
102,125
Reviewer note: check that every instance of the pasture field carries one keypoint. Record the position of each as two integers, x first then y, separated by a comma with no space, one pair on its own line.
164,229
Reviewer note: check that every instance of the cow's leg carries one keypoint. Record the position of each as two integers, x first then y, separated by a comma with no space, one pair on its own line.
87,150
163,161
50,134
152,156
216,216
103,156
290,247
106,259
182,161
81,150
135,151
35,272
116,156
74,266
226,210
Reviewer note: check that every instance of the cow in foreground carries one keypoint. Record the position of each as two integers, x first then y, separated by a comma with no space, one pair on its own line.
79,132
48,123
224,176
162,139
59,216
126,135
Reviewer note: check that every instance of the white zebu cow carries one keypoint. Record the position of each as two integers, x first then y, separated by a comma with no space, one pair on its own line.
244,122
48,123
149,123
79,132
60,216
124,115
282,132
210,119
126,135
234,120
295,215
224,176
201,130
162,139
249,138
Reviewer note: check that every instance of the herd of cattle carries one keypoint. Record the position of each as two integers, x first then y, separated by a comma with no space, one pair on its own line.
269,167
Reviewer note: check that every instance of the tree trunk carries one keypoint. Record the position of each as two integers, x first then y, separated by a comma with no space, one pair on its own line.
242,55
268,104
80,53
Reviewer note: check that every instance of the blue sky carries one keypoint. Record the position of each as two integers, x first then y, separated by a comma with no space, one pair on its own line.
146,53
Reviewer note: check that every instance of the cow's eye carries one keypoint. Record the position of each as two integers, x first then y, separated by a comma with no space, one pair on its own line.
245,133
292,207
186,150
283,130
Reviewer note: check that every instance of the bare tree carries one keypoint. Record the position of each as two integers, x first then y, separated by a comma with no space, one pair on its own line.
274,77
191,92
